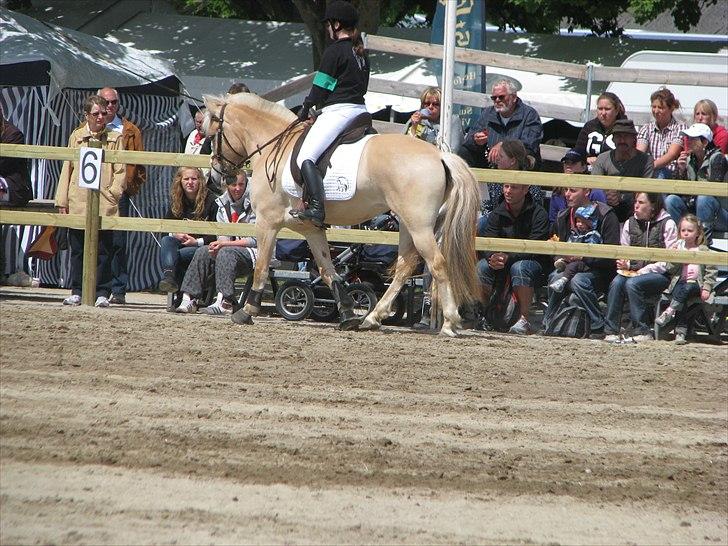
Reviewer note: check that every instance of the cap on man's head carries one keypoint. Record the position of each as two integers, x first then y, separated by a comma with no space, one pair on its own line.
574,156
625,126
698,130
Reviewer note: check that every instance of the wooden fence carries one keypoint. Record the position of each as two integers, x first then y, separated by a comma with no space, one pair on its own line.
20,217
588,73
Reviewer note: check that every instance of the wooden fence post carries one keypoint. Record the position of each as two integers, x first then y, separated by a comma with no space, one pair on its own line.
90,248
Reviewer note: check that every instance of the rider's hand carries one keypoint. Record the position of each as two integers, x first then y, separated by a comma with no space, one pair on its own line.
303,113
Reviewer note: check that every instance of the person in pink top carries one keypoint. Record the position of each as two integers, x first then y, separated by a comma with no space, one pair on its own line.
637,280
706,111
688,280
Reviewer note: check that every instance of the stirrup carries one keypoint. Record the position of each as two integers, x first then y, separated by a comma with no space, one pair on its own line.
304,217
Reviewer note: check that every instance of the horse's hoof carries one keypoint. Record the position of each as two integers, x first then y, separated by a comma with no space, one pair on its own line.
448,332
349,324
369,325
241,317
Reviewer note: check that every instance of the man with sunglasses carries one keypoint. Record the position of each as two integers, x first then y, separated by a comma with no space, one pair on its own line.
508,118
136,175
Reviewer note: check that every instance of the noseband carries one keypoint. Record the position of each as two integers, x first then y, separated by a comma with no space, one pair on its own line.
228,167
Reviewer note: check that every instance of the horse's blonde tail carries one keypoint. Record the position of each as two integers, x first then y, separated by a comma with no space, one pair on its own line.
459,229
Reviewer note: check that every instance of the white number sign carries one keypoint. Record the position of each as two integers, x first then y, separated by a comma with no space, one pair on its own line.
89,175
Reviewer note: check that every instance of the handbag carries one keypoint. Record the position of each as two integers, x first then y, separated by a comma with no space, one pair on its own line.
44,246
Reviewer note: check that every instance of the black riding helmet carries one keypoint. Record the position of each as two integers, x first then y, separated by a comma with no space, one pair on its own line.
342,11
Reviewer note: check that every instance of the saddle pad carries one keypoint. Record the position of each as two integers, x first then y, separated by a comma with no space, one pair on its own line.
340,178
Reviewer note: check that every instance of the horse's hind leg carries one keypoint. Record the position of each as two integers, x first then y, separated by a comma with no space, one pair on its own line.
344,302
266,239
407,260
424,241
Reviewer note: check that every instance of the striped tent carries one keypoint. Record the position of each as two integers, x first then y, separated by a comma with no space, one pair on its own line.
45,75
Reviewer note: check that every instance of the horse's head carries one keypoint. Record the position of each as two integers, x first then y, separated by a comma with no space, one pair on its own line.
228,148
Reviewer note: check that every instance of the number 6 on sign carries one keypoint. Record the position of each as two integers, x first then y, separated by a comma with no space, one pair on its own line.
90,168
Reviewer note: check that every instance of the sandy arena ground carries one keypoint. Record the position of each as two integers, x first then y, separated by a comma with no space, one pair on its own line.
130,425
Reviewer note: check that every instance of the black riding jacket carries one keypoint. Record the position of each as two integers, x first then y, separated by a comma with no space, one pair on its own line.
342,77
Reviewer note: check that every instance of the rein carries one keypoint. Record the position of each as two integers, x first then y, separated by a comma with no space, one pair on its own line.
225,163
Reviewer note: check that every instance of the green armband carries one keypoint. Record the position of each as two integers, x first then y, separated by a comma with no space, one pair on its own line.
325,81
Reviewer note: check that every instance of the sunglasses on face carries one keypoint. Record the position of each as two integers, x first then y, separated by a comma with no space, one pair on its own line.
97,114
431,103
498,97
115,101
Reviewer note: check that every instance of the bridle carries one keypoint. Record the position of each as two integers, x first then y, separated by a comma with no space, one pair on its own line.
231,168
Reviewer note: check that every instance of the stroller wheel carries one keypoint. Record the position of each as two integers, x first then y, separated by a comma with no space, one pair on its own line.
294,300
324,307
365,299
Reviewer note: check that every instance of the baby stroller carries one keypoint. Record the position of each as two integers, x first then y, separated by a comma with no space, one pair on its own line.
364,269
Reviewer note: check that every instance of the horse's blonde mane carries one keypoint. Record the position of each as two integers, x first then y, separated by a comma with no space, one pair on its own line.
261,105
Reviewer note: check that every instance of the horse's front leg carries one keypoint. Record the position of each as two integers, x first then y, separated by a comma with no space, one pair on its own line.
266,239
344,302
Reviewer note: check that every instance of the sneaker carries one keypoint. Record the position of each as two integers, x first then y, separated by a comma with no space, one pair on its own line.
612,338
665,317
680,338
522,327
560,264
118,299
641,338
559,284
216,309
73,299
189,306
102,301
168,283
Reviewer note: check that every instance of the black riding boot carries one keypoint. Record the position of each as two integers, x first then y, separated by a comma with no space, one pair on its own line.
315,188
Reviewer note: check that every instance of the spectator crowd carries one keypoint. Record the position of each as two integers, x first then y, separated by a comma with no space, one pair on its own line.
507,135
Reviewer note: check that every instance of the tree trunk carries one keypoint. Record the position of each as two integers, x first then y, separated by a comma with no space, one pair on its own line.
369,15
312,12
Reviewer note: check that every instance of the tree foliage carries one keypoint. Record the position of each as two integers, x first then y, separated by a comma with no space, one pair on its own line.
547,16
372,13
542,16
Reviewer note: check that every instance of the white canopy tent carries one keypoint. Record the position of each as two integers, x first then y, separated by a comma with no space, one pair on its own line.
46,73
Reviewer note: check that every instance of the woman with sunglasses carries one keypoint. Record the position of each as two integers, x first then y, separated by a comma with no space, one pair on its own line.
71,199
338,89
425,122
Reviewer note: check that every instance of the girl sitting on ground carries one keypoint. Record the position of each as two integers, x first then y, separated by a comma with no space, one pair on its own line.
228,257
189,200
688,280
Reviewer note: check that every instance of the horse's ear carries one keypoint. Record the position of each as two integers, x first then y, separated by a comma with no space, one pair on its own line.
212,102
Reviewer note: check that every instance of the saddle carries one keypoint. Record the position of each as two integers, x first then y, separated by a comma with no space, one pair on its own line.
357,129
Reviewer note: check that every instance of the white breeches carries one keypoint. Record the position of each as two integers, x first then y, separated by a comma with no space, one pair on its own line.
329,124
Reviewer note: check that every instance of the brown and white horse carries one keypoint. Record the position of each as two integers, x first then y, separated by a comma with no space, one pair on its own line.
433,193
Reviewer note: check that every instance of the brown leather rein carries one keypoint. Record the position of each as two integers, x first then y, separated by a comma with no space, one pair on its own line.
230,168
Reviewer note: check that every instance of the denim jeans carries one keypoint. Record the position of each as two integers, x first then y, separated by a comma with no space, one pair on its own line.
682,292
584,286
637,290
118,258
707,209
523,273
175,257
663,173
103,265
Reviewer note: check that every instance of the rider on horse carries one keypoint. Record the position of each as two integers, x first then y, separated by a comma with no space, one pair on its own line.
338,89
